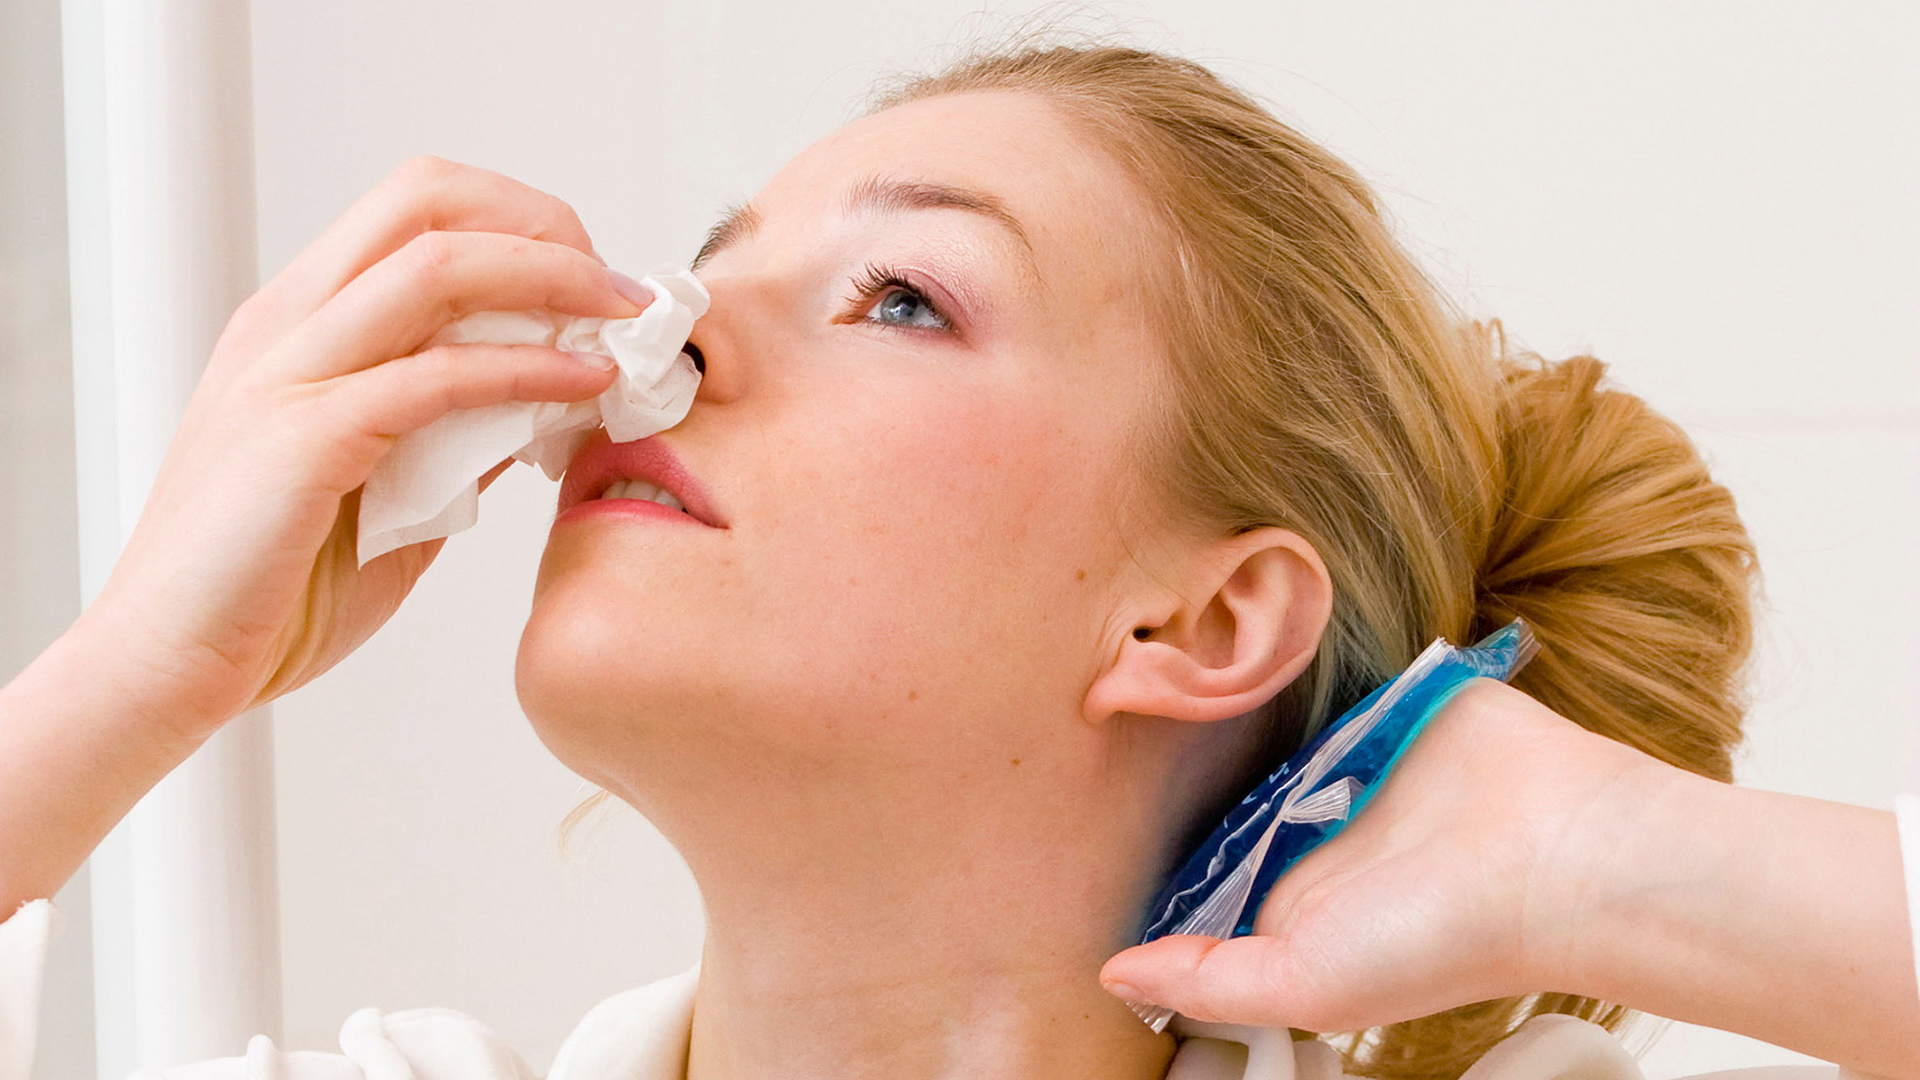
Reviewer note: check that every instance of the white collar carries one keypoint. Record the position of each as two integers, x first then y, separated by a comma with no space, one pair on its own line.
642,1034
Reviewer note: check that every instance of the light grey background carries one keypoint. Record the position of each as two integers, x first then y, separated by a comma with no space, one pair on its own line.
1718,198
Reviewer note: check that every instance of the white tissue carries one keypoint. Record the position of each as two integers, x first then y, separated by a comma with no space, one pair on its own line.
428,485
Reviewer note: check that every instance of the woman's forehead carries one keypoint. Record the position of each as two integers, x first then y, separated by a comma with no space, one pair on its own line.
1018,162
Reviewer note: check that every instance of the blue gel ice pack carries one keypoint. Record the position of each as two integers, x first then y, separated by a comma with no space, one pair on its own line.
1308,800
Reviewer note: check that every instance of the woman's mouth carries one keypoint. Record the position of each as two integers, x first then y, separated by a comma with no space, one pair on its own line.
641,477
645,492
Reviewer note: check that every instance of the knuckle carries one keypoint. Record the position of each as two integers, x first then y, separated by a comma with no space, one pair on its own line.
434,362
519,247
429,256
1196,995
565,217
313,415
450,360
437,371
423,170
252,319
1271,985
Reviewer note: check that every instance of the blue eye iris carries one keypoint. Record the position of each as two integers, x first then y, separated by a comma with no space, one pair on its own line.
903,307
885,297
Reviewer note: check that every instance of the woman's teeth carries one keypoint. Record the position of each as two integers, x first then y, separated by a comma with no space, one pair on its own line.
645,492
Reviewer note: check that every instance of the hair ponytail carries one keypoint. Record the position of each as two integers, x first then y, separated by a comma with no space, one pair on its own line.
1610,538
1322,384
1630,562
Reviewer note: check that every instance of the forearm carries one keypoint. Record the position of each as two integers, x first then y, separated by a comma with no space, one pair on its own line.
78,747
1776,916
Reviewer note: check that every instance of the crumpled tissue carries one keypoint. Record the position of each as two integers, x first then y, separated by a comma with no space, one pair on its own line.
428,485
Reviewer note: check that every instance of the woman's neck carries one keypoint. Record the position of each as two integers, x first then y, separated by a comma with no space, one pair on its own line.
851,937
771,1006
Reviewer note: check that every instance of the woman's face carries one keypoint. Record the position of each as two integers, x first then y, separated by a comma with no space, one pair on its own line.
927,360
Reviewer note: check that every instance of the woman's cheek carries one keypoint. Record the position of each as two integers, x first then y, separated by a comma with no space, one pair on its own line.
961,525
959,472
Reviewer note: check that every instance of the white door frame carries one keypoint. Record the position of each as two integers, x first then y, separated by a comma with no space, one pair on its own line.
160,187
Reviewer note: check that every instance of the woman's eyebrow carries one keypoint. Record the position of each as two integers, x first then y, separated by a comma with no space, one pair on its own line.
735,225
879,193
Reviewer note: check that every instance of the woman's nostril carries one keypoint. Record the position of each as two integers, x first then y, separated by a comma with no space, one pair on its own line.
699,359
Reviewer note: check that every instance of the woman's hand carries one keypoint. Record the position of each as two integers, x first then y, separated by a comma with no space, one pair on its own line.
1512,852
239,581
1451,886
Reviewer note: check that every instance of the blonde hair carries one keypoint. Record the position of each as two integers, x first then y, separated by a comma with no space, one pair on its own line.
1450,483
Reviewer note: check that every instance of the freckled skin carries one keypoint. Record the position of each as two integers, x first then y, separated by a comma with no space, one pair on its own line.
932,541
898,501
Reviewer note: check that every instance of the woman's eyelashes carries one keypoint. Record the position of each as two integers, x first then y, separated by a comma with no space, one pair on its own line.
887,298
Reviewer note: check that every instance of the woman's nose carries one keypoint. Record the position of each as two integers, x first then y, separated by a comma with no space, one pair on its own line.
719,344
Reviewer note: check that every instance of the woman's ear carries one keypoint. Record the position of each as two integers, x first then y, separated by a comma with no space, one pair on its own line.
1245,625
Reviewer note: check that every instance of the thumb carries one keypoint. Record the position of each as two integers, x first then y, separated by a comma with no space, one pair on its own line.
1245,980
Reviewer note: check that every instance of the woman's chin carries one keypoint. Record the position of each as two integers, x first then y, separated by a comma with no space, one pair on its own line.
586,660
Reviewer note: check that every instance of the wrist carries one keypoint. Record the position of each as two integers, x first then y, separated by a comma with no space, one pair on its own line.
77,750
1631,837
1772,915
92,672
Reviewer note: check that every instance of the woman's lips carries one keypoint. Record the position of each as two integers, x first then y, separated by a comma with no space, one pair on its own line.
629,508
601,463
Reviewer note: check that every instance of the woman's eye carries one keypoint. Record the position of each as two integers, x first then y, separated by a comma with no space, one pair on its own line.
901,306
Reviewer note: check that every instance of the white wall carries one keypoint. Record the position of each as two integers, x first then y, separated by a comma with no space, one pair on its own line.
1718,198
39,570
39,563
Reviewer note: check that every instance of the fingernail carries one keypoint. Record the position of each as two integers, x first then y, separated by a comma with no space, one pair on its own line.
593,360
1126,992
631,289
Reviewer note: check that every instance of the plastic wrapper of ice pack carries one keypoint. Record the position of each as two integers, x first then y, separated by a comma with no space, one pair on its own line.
1309,799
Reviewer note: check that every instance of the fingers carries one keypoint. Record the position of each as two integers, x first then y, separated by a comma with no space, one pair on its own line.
402,300
413,391
1246,980
424,194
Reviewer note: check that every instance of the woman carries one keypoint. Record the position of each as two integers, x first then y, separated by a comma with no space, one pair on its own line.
1073,441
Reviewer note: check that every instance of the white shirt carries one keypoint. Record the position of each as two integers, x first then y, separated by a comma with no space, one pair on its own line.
642,1034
